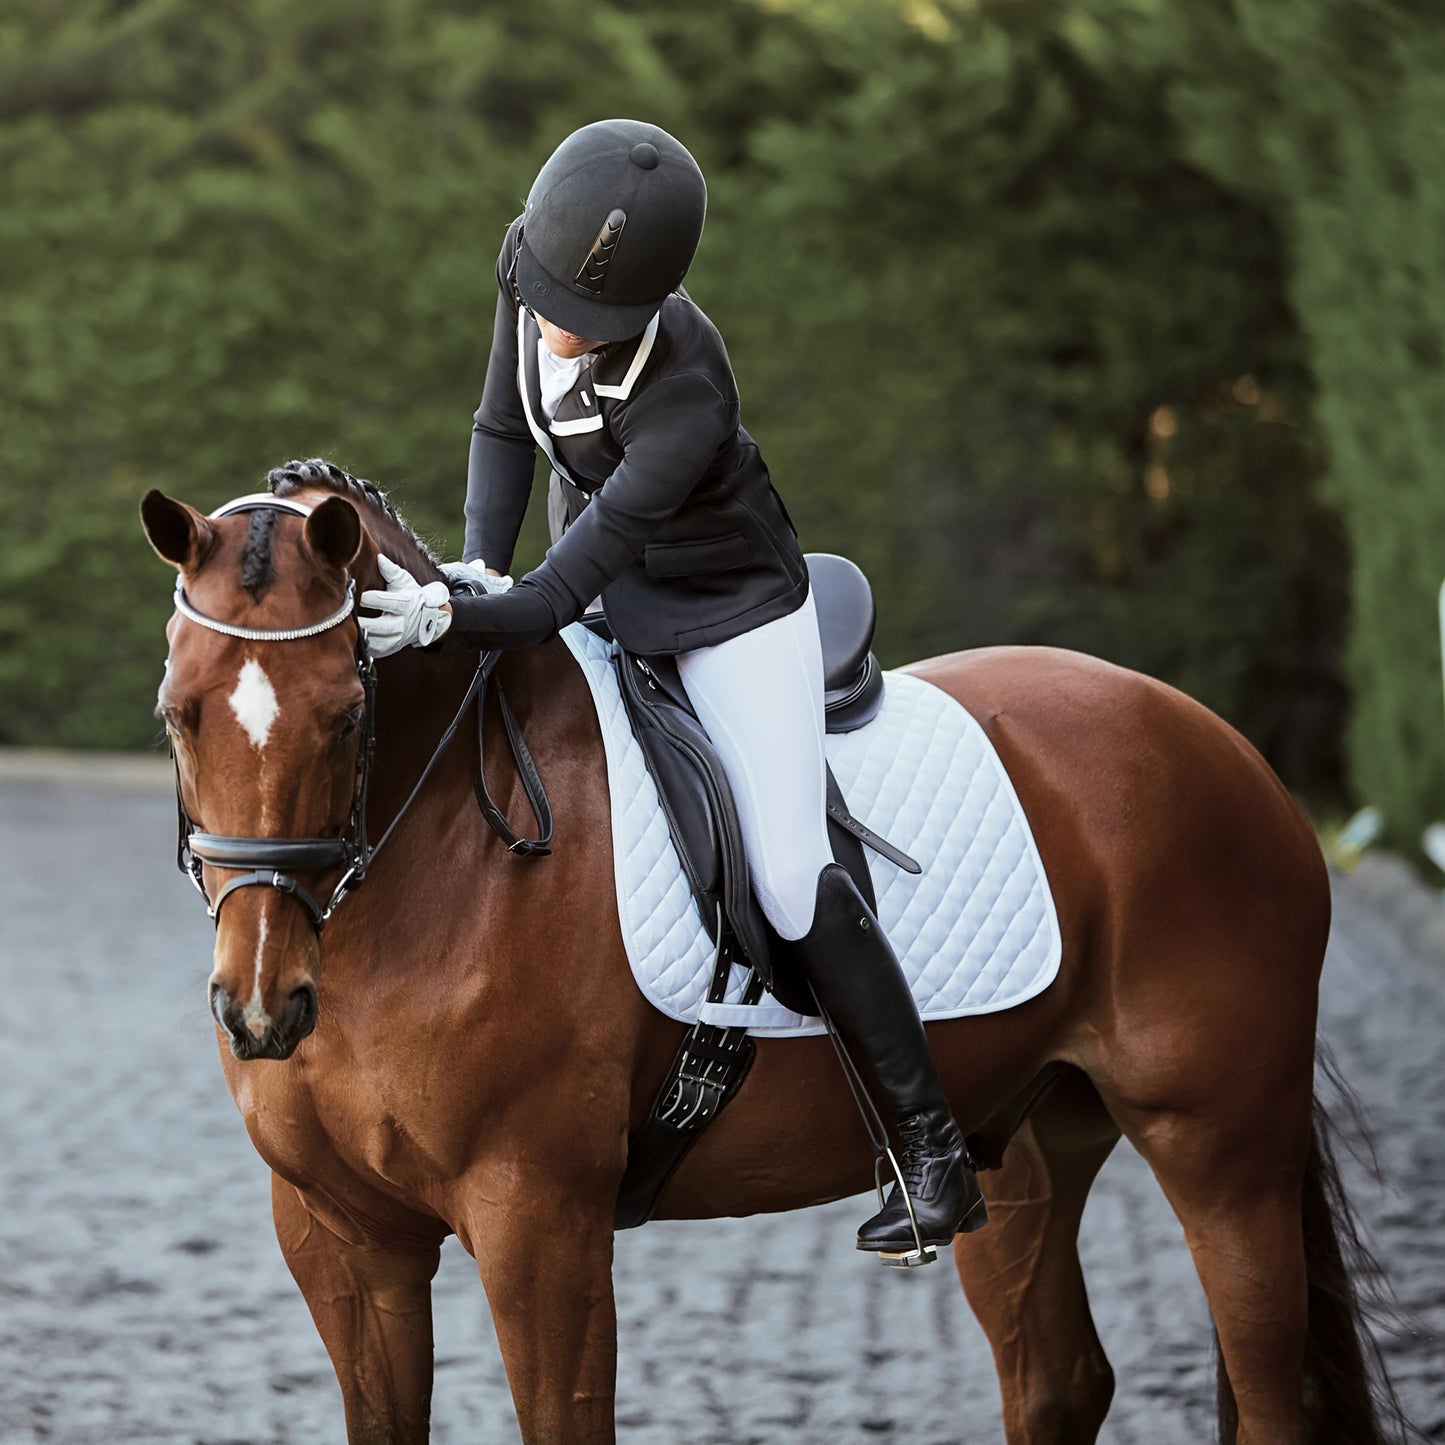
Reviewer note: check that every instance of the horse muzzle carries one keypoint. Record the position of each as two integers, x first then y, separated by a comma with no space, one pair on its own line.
255,1034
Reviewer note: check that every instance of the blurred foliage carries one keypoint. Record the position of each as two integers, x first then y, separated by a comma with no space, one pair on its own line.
1048,313
1332,112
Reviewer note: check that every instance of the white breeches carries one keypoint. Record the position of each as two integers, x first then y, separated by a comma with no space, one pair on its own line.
760,697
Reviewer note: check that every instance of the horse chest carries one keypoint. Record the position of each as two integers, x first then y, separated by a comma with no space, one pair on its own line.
281,1114
316,1124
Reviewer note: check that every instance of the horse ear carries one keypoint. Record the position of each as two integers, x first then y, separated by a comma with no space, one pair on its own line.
179,534
333,532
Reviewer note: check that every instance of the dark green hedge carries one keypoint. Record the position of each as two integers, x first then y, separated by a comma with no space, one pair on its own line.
1021,319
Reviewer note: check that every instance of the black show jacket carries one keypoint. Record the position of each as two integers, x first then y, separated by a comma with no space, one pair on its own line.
677,524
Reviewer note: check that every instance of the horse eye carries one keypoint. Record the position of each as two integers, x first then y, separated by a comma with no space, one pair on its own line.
348,723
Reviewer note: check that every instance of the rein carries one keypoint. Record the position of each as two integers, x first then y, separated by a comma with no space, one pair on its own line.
271,862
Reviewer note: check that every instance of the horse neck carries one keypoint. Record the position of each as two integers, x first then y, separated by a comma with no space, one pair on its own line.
431,867
417,697
448,917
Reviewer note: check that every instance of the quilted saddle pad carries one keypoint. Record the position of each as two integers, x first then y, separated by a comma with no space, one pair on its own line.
976,931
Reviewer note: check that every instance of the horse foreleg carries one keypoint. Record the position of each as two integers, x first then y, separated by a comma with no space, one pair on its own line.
1022,1274
545,1257
372,1308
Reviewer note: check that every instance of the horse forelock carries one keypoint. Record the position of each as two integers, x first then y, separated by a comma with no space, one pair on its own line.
379,515
258,570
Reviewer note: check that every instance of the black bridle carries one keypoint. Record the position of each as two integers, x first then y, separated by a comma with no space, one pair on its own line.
272,862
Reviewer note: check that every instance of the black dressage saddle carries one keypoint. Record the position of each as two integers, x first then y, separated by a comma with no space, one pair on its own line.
693,789
702,818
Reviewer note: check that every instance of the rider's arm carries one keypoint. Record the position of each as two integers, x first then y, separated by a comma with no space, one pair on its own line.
503,452
670,432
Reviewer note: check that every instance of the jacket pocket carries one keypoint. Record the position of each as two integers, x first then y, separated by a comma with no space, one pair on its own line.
707,554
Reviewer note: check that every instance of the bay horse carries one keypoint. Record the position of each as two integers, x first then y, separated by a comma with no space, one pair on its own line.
464,1050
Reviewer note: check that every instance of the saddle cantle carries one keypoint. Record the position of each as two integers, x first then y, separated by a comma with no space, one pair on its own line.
696,799
852,679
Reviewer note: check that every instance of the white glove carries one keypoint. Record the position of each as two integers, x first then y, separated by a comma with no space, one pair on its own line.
475,572
411,615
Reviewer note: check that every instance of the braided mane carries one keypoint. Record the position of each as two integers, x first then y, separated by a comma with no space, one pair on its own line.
401,544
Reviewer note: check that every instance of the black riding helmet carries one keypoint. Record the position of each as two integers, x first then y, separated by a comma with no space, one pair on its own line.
611,226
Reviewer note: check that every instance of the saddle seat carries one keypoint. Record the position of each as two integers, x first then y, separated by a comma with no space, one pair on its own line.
852,678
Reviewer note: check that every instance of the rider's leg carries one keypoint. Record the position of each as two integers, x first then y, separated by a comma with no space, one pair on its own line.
760,697
869,1002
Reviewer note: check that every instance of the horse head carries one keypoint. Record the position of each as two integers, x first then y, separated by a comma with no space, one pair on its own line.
265,707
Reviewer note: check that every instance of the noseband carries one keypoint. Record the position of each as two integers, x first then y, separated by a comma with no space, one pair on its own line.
271,862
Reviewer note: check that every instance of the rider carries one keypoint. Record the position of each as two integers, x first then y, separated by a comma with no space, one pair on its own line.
672,518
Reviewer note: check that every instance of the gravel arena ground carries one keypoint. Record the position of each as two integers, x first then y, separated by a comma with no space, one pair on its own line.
143,1298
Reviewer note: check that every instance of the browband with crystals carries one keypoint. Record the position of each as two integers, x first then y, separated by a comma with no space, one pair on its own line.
266,634
260,501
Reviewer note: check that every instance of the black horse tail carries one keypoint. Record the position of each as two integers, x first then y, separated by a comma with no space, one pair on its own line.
1350,1398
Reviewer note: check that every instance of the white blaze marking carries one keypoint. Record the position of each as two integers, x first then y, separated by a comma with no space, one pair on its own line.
254,1016
254,703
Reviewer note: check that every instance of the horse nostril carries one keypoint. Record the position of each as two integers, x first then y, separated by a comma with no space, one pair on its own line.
220,1006
301,1011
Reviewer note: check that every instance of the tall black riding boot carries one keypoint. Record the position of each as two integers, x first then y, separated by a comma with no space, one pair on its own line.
860,985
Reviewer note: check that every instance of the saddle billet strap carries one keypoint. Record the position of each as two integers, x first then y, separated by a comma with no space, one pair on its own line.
532,784
840,814
705,1076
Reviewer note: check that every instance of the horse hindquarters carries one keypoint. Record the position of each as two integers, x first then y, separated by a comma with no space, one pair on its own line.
1265,1216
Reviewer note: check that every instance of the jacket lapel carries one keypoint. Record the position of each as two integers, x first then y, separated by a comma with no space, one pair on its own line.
617,372
529,388
612,376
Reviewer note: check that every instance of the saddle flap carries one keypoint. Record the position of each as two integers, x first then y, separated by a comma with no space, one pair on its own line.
695,797
697,801
683,794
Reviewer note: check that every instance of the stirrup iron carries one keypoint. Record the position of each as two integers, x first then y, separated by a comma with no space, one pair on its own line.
921,1253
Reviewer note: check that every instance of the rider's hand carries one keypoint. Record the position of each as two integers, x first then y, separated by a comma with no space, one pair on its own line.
477,573
411,615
